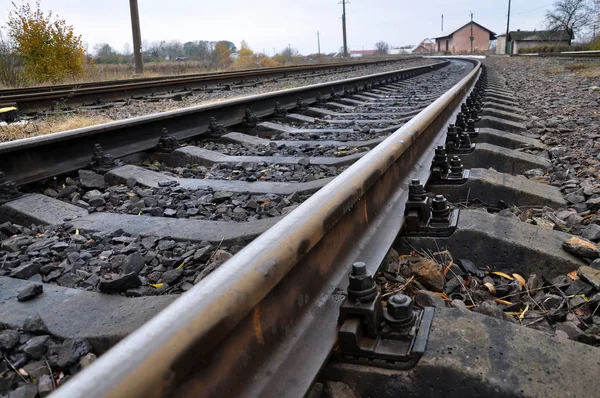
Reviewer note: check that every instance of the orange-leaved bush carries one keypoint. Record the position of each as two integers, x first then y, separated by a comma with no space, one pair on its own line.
50,49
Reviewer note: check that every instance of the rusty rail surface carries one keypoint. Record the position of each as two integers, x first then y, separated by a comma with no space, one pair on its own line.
32,99
264,323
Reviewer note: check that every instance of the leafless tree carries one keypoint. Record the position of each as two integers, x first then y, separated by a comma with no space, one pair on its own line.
571,15
382,47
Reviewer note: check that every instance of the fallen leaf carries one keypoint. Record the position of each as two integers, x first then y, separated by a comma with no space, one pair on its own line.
573,275
490,288
522,316
140,213
131,195
443,295
23,372
76,231
157,285
499,301
448,268
501,274
520,279
181,265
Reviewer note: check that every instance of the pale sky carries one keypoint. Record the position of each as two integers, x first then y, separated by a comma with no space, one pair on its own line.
269,24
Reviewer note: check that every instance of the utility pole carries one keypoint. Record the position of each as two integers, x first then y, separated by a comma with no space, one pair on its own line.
137,37
442,22
507,44
343,3
319,42
594,28
472,38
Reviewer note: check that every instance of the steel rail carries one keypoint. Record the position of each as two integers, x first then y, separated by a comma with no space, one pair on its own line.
31,100
5,92
37,158
263,324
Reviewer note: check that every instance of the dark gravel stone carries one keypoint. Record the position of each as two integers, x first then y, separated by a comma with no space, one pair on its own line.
581,248
591,232
34,324
221,196
29,292
120,283
96,201
166,245
89,179
72,350
36,346
26,391
45,386
172,276
25,271
133,263
9,339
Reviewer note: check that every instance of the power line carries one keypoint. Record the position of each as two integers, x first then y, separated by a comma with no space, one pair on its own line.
535,9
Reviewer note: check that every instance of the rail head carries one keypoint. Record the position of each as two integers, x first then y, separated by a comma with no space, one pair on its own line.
144,363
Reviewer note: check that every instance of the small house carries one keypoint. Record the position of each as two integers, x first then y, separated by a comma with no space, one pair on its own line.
426,46
470,38
527,39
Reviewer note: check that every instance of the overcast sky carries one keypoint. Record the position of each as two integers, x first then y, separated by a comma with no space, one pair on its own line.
269,24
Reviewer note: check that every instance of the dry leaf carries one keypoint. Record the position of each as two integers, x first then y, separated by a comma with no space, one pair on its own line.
522,316
573,275
490,288
502,275
443,295
181,265
76,232
499,301
448,268
520,279
157,285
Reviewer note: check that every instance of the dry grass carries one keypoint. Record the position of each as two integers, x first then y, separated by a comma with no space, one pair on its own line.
50,124
590,69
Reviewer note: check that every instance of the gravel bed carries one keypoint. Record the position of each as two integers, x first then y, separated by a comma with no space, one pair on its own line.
561,97
108,261
274,149
174,201
33,362
261,171
140,107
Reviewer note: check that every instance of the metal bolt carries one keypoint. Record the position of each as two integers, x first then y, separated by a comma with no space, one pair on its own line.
416,191
456,167
359,268
361,286
400,307
439,202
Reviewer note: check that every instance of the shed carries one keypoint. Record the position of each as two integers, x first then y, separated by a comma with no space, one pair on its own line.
536,38
459,41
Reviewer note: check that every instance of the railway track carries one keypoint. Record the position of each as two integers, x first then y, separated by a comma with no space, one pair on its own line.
276,217
102,94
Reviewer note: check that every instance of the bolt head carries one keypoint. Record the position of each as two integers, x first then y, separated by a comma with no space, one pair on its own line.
400,306
359,268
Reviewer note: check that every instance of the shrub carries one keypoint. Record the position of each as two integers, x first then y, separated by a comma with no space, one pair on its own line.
48,46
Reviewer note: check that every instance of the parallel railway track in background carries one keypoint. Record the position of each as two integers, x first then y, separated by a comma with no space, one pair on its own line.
33,99
392,160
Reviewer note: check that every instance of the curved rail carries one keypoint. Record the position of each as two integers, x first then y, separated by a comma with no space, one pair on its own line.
264,322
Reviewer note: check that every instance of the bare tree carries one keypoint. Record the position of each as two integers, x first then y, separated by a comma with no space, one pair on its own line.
382,47
571,15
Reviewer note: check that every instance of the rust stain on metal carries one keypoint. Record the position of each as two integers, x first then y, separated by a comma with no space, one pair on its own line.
366,212
257,326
